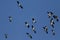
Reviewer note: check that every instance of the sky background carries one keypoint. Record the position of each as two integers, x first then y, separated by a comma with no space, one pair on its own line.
16,30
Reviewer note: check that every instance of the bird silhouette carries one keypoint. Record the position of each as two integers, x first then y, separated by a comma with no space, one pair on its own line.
56,17
33,20
50,14
33,29
27,24
10,18
29,35
19,4
45,29
53,32
52,22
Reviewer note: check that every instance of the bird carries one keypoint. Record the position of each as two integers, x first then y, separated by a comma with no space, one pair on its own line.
6,36
52,22
10,18
33,20
53,32
26,23
29,35
33,29
19,4
56,17
50,14
45,29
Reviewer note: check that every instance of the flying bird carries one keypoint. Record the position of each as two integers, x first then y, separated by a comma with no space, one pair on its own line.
6,36
33,29
33,20
10,18
52,22
56,17
29,35
45,29
50,14
19,4
27,24
53,32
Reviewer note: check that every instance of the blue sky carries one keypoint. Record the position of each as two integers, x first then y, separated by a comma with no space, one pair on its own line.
16,30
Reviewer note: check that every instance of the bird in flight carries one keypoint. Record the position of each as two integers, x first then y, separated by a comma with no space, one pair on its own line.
45,29
10,18
56,17
33,20
52,22
50,14
19,4
29,35
53,32
27,25
33,29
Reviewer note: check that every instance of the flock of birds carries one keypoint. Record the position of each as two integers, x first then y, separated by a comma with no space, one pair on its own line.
33,28
51,16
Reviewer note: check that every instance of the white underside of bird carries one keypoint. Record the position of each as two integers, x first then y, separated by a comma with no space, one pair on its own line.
33,28
34,21
27,24
49,14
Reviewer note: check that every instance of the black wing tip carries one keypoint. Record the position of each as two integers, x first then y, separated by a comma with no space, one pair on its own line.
22,7
32,18
27,33
17,1
26,22
10,16
32,26
28,26
30,36
46,32
10,20
54,34
43,27
35,32
52,26
57,20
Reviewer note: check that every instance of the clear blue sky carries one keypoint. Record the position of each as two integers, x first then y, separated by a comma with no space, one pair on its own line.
32,8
